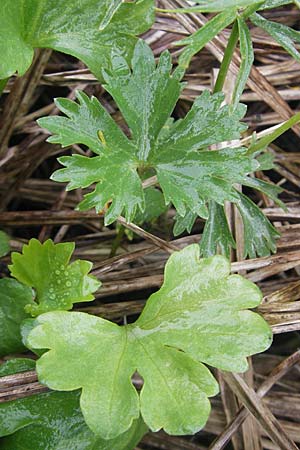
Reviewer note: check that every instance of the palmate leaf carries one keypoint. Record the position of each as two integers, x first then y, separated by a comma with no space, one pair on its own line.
190,175
88,30
57,283
200,315
53,421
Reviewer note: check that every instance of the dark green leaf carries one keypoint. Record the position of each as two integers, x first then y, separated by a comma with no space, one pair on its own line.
154,206
57,283
259,233
16,365
282,34
199,315
88,30
53,421
4,244
216,235
184,223
13,298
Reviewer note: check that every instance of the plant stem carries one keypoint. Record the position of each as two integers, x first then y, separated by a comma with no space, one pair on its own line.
231,45
117,241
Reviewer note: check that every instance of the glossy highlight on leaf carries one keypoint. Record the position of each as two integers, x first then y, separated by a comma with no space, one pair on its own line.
57,282
88,30
173,152
200,315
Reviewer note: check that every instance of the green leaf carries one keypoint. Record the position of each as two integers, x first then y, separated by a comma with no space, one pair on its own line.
216,235
274,4
4,244
282,34
154,206
198,316
200,176
88,30
184,223
53,421
196,41
247,58
259,233
57,283
13,299
16,365
221,5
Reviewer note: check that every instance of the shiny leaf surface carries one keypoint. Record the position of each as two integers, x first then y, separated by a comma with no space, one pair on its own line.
58,284
53,421
88,30
14,297
187,176
200,315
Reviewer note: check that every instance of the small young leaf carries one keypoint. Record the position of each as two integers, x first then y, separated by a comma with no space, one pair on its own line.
53,421
57,283
88,30
14,297
198,316
259,233
216,235
282,34
4,244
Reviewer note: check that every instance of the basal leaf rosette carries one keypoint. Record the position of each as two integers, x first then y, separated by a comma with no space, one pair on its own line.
199,316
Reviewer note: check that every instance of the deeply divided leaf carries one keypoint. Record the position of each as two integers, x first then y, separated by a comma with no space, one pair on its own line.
57,282
200,315
178,151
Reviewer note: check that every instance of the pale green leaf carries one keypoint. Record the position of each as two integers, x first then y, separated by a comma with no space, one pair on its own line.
88,30
14,297
184,223
200,315
57,282
53,421
220,5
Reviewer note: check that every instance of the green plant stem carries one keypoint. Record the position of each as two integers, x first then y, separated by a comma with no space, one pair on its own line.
117,241
233,39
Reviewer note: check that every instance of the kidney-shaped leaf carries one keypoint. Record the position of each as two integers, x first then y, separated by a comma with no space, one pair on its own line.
53,421
58,284
199,316
88,30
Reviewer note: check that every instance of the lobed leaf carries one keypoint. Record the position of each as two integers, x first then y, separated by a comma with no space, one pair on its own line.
88,30
57,283
200,315
178,151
